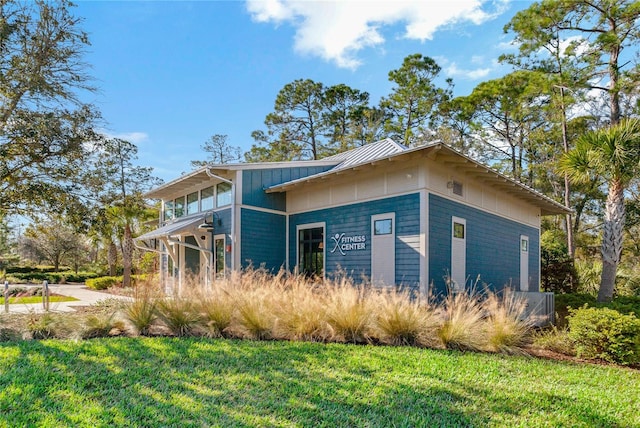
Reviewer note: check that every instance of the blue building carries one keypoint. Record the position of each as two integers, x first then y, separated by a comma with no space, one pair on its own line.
426,218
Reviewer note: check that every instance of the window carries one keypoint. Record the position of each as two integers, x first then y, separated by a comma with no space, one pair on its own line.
383,227
178,207
168,210
524,244
206,199
223,194
311,251
458,230
219,250
192,203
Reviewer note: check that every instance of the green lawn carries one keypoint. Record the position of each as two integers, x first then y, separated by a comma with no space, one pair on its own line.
37,299
166,382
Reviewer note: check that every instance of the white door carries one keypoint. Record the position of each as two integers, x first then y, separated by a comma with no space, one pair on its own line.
524,263
383,249
458,253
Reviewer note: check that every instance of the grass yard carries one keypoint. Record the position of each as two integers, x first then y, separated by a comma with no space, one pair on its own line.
195,382
37,299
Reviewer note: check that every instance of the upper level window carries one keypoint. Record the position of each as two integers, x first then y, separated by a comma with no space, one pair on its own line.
168,210
178,207
223,194
192,203
383,227
206,199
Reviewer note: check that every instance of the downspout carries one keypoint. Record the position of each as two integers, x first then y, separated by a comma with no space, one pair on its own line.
233,214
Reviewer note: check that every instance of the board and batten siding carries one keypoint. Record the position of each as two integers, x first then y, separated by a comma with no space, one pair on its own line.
492,247
263,240
254,181
355,220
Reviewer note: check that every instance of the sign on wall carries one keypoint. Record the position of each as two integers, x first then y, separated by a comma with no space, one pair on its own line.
344,243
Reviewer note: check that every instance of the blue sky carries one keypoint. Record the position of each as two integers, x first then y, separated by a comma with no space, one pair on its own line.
171,74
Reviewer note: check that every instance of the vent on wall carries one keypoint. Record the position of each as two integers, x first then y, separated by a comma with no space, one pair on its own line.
457,188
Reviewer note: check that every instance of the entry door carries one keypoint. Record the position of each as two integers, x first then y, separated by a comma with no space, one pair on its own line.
524,263
458,253
383,249
218,254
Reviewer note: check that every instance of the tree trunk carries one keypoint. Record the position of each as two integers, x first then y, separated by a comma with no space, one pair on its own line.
612,239
127,255
112,258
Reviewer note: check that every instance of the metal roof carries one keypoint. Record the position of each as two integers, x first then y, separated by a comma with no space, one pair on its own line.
175,228
367,153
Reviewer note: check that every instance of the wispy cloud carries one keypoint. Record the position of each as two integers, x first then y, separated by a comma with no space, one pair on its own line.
337,30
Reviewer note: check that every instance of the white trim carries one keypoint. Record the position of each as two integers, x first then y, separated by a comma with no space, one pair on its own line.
236,233
374,218
424,244
264,210
287,243
222,236
458,278
299,227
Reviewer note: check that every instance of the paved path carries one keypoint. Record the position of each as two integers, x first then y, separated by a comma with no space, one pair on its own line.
84,295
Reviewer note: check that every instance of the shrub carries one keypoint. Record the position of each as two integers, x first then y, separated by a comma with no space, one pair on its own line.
255,317
348,312
48,326
603,333
505,326
9,334
462,327
554,339
103,282
400,320
179,314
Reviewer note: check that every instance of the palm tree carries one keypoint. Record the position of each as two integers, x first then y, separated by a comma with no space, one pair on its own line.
613,155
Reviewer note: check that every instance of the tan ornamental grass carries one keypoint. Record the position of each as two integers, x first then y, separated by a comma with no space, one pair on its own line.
348,311
506,327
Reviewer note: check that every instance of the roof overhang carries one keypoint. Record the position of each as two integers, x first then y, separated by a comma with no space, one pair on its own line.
177,227
449,157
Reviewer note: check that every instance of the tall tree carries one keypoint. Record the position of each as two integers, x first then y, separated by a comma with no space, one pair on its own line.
43,124
219,151
414,98
612,154
121,185
506,111
344,109
54,240
600,31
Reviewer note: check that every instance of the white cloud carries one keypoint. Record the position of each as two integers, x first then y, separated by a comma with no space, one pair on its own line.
478,73
132,137
337,30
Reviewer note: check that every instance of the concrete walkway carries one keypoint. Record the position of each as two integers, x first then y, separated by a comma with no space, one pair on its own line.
85,296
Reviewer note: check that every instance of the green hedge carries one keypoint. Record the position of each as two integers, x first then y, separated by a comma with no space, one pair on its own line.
603,333
55,277
104,282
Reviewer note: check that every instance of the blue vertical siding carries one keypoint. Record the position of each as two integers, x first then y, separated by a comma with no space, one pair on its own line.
254,181
355,219
493,246
263,239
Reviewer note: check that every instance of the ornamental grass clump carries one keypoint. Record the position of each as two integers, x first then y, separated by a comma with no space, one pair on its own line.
400,320
254,296
506,327
300,311
216,308
462,322
141,311
348,311
102,325
179,314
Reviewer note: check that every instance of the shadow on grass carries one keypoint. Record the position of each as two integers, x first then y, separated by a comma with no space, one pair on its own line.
198,382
